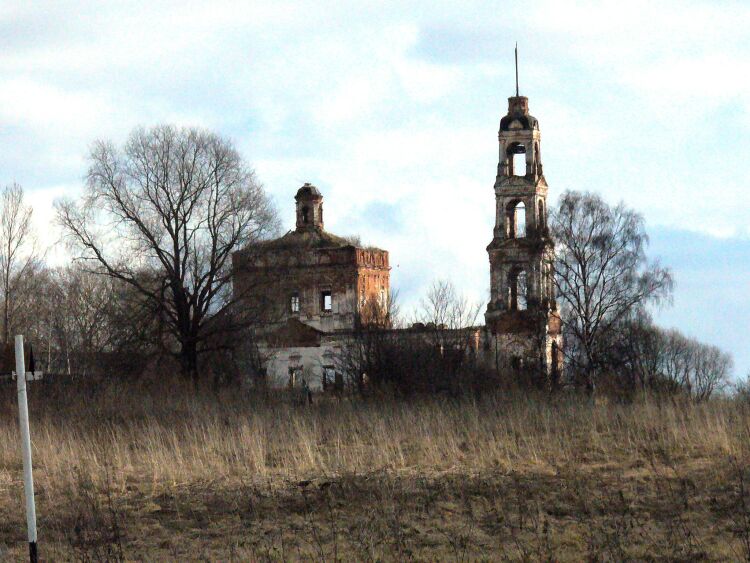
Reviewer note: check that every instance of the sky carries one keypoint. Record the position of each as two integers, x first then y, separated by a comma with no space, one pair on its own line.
392,110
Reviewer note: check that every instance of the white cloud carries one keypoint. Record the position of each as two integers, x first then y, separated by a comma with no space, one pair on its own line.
40,105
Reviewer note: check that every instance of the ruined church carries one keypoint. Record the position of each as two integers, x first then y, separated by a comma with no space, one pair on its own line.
315,287
311,289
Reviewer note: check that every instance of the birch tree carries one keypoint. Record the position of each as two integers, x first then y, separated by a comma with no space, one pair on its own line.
18,257
602,275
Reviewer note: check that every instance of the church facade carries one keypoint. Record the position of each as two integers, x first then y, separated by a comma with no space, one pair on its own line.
310,289
316,288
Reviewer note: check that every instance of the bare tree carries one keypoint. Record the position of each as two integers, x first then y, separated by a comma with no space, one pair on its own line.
18,256
436,354
444,307
602,275
83,324
711,370
675,360
164,214
688,365
374,313
742,389
448,321
642,356
635,353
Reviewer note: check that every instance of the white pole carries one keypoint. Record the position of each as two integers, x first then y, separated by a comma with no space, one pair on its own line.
28,476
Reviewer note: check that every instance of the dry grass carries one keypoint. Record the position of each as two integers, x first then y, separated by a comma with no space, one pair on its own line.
136,473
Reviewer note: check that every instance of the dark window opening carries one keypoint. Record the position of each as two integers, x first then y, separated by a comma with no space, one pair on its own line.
516,219
294,303
520,220
518,291
295,374
329,377
305,214
516,160
326,301
521,292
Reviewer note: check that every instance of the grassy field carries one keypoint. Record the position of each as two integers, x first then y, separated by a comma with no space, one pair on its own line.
136,473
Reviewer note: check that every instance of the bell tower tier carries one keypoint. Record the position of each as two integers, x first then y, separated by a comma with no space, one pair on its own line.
522,315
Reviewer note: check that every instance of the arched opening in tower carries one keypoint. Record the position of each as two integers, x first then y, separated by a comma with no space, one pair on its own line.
516,160
516,219
518,290
520,219
521,290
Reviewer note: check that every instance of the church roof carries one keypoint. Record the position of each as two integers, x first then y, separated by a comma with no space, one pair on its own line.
308,190
307,236
308,239
518,117
528,122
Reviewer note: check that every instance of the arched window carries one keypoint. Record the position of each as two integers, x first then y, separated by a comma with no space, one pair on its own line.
518,290
516,218
522,288
516,156
520,221
305,214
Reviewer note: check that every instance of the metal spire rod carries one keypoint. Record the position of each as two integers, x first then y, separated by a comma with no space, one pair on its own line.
516,69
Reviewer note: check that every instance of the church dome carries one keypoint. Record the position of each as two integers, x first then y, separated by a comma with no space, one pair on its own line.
520,122
518,117
308,190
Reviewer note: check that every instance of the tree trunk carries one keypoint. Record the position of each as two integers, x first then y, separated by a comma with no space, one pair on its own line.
590,382
189,360
6,315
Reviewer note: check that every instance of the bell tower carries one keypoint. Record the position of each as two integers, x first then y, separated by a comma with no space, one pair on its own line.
522,316
309,208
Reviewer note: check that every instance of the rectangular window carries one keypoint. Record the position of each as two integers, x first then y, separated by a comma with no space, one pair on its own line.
294,303
338,383
329,376
295,373
326,301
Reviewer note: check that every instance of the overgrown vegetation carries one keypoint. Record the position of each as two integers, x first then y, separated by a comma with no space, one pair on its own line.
437,455
157,471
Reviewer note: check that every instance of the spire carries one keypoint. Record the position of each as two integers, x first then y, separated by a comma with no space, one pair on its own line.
518,105
517,69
